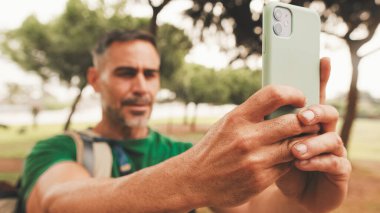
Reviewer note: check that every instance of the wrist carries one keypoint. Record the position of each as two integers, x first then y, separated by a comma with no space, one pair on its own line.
188,187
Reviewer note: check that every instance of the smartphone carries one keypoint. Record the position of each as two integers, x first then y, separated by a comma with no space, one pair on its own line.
291,50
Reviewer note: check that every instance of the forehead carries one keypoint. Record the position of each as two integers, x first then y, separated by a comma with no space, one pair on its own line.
136,53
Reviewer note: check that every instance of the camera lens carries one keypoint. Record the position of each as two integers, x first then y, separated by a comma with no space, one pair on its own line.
277,28
277,14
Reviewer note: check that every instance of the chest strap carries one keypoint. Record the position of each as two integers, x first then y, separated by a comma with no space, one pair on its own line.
95,156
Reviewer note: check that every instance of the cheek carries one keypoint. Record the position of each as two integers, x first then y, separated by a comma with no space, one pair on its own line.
154,87
111,95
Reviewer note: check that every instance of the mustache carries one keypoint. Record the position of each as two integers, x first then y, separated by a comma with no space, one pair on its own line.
137,100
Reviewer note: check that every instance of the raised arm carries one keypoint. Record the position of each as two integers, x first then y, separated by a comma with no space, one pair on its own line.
238,158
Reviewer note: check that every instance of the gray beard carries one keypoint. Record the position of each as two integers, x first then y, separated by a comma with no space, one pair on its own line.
137,122
116,118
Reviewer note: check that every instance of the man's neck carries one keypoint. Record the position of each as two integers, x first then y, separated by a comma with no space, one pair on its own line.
117,132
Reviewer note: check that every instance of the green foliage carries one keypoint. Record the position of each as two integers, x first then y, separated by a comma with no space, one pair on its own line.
173,45
198,84
62,46
246,23
205,87
242,83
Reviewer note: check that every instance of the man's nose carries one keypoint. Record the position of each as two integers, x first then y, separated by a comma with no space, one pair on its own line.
140,84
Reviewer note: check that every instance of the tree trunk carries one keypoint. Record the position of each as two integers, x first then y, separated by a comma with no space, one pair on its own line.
73,107
193,126
350,113
153,22
156,11
185,118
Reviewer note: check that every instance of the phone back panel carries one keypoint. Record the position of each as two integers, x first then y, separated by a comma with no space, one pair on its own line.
293,60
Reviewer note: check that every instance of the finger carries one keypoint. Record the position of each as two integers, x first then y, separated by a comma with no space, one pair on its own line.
269,99
325,143
267,177
325,114
325,68
283,127
292,184
275,172
280,152
328,163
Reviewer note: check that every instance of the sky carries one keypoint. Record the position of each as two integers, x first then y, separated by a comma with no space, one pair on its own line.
12,14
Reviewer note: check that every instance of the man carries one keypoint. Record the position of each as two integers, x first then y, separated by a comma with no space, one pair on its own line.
243,163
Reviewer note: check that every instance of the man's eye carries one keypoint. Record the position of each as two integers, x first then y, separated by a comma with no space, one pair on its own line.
150,73
126,72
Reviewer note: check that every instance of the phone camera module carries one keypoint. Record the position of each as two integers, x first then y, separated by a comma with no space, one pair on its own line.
282,21
277,28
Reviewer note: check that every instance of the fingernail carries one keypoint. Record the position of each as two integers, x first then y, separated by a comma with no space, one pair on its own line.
304,162
301,148
308,115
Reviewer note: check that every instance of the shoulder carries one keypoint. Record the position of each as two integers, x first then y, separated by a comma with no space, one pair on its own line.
45,154
50,150
161,138
58,141
176,147
55,147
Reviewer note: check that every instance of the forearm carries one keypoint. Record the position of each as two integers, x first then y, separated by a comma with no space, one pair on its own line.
152,189
271,200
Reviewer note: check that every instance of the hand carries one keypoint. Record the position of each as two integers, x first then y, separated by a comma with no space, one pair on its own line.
319,180
243,154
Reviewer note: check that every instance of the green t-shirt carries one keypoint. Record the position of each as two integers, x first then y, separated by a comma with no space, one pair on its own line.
141,152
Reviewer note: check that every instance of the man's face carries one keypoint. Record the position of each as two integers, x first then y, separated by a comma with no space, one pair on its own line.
128,82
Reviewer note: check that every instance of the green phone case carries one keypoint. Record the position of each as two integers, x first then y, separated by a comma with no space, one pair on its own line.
292,61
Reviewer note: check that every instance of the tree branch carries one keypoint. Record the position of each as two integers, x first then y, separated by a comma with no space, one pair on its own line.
370,52
158,8
151,4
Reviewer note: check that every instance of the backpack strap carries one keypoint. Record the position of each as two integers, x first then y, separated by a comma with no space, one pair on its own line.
95,156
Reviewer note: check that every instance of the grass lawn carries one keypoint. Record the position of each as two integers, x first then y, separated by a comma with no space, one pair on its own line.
364,152
365,138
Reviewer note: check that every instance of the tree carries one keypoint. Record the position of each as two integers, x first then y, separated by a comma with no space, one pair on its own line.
17,93
198,84
62,46
241,83
173,46
157,6
156,10
246,24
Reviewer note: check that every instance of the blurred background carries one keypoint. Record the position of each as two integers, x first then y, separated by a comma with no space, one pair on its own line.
211,62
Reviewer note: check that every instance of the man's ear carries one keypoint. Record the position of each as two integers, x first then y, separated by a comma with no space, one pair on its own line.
93,77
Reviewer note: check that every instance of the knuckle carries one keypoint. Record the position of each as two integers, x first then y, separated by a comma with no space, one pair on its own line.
276,94
294,124
242,145
230,119
335,164
344,152
288,144
348,166
229,122
338,140
333,110
256,163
